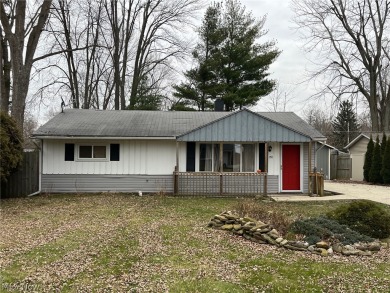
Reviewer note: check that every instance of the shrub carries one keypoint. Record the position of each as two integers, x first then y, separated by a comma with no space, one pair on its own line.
383,144
386,164
11,149
376,164
366,217
277,219
322,228
368,159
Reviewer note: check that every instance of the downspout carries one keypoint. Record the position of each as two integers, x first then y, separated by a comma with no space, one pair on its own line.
39,169
315,153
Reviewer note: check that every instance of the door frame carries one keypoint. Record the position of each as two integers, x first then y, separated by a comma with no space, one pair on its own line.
300,167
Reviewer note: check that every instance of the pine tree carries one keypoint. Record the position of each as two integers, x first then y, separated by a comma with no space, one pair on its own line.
386,164
199,87
231,65
376,165
368,160
345,125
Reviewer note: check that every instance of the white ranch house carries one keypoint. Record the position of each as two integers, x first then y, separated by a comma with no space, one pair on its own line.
182,152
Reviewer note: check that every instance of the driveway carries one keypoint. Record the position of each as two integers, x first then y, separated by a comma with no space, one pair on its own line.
350,190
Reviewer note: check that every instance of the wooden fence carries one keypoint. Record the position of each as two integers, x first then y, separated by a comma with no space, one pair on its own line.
340,166
25,180
220,184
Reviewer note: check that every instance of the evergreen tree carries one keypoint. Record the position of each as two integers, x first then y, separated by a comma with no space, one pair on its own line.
376,165
201,81
11,142
368,160
345,125
148,96
386,164
231,65
383,144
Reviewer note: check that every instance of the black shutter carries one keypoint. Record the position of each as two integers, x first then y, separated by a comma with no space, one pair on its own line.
262,155
114,152
69,152
190,157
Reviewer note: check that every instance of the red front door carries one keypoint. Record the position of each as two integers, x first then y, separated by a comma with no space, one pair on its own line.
291,167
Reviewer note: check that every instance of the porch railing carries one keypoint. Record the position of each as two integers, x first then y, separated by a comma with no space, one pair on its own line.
220,184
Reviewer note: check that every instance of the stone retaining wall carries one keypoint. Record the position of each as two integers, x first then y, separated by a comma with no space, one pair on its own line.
263,233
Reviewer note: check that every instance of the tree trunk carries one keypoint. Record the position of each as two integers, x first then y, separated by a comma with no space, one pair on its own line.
21,67
5,75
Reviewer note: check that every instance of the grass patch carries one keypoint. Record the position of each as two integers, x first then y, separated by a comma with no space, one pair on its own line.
125,243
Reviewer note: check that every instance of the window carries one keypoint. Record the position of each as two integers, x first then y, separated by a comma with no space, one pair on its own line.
206,157
235,157
248,158
92,152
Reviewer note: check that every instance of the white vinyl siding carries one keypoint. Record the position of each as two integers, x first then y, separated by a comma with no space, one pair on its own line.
153,157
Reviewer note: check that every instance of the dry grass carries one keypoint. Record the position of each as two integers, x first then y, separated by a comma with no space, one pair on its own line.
123,243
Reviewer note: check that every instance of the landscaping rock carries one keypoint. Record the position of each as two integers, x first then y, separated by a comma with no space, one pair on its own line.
220,218
322,251
284,242
261,225
279,240
322,244
274,234
263,233
231,217
239,232
227,227
350,251
299,244
374,246
264,230
337,247
365,253
249,219
269,239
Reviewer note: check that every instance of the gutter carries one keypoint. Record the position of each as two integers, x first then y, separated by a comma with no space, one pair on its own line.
106,137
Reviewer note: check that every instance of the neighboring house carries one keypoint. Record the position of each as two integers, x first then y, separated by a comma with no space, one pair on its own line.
323,153
357,148
130,151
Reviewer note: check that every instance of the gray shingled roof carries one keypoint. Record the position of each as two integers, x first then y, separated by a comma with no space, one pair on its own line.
97,123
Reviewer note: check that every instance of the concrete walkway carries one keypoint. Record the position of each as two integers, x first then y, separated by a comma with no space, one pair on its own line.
350,190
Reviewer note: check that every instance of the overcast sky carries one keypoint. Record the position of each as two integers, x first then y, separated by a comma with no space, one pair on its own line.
290,69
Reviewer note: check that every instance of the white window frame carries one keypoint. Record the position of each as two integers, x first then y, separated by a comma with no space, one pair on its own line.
106,159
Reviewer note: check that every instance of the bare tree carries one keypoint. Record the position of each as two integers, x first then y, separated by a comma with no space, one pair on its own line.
352,41
5,73
122,17
74,32
22,36
160,37
279,99
320,120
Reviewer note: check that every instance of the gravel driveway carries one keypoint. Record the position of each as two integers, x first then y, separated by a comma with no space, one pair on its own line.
348,190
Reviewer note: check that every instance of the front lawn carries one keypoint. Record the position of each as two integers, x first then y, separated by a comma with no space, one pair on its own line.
123,243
